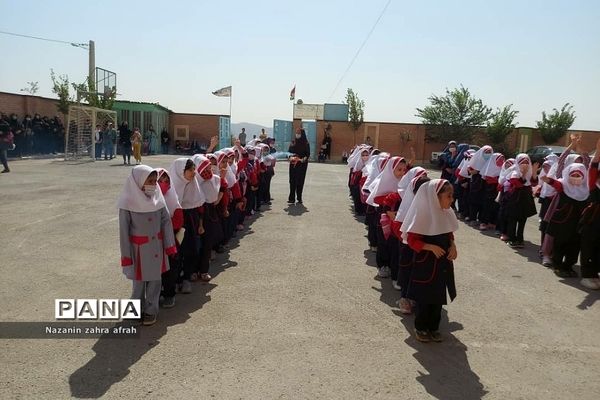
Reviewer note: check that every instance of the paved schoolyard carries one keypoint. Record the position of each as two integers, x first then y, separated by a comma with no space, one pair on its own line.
294,311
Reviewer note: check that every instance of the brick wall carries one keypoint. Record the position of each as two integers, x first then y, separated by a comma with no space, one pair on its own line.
24,104
201,127
397,138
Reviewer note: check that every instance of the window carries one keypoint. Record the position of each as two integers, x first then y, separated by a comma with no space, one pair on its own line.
147,121
124,116
137,120
182,132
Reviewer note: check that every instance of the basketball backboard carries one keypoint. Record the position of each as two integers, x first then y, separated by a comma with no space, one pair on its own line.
106,81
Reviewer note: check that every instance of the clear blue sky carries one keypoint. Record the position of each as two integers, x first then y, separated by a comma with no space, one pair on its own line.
534,54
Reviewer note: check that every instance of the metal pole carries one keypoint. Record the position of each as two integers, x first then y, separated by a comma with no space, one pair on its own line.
92,65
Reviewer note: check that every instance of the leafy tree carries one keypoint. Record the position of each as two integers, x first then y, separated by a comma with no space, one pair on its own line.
87,90
454,116
500,125
554,126
356,109
32,89
60,87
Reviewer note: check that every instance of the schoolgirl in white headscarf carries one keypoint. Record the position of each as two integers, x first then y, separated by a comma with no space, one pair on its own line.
373,168
387,181
208,182
146,237
573,192
169,278
183,180
462,184
502,199
520,204
428,229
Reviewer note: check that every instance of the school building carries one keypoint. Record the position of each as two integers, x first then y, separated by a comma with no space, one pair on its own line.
394,137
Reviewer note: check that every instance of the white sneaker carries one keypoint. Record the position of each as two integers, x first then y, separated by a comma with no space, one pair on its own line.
396,286
546,261
384,272
590,283
186,287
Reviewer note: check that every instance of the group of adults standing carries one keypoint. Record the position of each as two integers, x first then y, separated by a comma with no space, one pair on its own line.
131,142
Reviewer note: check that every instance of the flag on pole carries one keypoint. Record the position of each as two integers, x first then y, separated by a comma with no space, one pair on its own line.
223,92
293,93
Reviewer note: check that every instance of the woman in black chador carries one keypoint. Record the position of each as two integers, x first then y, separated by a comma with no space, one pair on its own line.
300,152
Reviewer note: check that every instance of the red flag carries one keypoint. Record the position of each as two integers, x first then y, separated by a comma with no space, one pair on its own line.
293,93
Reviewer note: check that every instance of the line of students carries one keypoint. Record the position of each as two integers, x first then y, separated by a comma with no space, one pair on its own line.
497,193
411,228
173,221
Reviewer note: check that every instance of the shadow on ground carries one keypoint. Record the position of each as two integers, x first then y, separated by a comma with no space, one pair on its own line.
114,357
448,374
296,210
591,297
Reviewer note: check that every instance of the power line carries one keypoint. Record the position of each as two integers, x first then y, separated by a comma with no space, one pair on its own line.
359,50
80,45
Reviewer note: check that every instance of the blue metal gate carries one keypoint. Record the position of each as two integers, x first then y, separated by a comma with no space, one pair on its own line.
310,127
282,133
224,132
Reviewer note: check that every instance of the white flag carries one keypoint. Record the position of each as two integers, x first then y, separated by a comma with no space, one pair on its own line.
223,92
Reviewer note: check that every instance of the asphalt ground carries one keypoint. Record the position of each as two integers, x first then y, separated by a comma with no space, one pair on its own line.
294,311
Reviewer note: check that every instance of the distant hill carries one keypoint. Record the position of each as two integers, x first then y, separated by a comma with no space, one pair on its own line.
251,129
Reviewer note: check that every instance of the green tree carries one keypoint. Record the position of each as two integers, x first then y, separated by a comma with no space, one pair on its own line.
554,126
87,92
500,125
356,110
60,87
32,88
454,116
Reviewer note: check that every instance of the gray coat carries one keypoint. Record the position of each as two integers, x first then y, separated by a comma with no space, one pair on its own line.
146,241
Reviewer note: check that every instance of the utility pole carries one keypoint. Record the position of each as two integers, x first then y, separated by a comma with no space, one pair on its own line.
92,64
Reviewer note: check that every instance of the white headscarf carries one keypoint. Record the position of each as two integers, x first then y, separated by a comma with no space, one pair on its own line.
359,163
267,159
369,164
374,168
581,192
232,169
547,190
408,177
230,177
426,216
386,182
170,196
493,168
408,195
552,158
570,159
355,153
463,167
515,170
504,171
253,142
209,188
477,162
132,196
188,192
